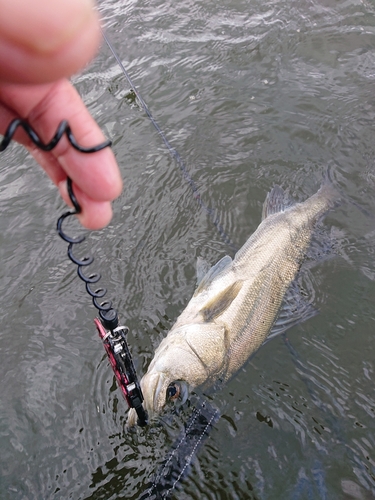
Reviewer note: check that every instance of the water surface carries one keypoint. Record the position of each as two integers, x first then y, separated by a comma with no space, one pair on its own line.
251,94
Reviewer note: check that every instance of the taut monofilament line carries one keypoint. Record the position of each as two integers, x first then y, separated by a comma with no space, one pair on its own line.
211,212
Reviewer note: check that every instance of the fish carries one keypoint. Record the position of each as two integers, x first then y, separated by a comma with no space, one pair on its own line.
236,303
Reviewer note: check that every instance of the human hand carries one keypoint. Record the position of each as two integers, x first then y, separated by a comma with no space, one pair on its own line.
41,42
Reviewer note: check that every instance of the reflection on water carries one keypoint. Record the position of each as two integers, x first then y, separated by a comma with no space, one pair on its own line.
251,95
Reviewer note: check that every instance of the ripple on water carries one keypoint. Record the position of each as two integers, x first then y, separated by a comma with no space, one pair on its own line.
251,96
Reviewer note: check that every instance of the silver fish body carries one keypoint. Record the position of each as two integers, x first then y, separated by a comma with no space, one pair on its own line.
236,303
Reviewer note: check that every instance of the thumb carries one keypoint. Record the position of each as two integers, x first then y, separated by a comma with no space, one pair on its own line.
43,40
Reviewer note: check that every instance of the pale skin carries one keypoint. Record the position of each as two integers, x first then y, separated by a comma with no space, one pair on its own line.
43,43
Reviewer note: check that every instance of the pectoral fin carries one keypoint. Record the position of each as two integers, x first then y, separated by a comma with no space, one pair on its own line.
221,302
202,269
212,273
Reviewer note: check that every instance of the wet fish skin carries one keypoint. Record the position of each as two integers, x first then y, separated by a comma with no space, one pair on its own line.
236,303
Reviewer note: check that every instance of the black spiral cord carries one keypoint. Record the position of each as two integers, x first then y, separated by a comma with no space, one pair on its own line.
63,128
115,341
106,312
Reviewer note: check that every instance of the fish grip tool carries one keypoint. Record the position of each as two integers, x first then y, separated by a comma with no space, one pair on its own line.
119,356
114,339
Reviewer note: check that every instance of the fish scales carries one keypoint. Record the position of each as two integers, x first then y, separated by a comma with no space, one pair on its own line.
234,307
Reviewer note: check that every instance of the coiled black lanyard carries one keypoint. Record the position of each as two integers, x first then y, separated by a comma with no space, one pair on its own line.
112,335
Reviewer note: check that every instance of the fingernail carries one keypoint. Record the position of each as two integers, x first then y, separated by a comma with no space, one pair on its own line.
63,190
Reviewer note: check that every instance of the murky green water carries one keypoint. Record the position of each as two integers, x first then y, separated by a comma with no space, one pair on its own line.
251,94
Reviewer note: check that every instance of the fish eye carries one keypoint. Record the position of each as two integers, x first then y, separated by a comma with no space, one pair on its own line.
178,392
173,391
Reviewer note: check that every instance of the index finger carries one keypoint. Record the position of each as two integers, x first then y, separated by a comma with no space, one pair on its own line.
44,107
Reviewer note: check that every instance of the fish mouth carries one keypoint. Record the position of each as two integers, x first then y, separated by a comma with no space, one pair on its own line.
154,387
158,383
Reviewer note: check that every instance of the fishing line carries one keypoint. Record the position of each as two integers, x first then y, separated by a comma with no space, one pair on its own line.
203,418
177,461
173,152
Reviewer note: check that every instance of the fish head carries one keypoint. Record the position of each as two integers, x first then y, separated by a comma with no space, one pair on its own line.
173,372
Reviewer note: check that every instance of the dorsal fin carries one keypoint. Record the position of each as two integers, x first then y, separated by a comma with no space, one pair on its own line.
276,201
213,272
221,302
